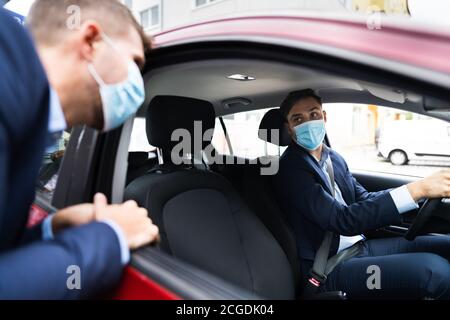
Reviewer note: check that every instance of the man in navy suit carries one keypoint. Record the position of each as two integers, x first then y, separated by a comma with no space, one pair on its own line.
90,76
417,269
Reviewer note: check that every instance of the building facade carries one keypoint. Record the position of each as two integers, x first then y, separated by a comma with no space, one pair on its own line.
160,15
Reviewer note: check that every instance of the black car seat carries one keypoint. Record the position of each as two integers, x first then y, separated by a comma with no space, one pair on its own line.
201,217
139,163
259,195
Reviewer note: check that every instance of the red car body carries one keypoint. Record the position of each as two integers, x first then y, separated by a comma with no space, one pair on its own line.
393,42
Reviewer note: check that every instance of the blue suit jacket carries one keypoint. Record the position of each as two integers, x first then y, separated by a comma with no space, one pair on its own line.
29,267
305,197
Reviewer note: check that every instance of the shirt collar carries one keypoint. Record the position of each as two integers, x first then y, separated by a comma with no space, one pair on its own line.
325,155
57,121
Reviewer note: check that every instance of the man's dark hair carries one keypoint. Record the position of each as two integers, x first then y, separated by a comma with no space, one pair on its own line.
295,97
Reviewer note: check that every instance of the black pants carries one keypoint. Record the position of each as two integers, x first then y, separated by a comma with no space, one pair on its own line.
395,268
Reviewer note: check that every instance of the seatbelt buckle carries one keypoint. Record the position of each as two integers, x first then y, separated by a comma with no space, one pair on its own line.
316,279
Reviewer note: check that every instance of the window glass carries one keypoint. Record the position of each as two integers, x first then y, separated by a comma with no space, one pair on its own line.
243,129
129,3
138,140
150,17
49,171
155,15
199,3
145,18
388,140
142,157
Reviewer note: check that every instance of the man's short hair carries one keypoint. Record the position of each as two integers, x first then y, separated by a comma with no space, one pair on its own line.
294,97
48,20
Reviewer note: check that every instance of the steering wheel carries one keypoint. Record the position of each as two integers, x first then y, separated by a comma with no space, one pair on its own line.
422,218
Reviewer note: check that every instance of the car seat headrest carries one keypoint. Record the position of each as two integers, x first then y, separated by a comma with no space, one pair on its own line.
271,124
166,114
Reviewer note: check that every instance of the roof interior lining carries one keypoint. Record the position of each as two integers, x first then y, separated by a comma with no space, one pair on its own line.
208,80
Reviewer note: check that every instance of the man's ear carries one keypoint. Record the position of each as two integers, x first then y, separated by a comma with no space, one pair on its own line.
89,35
289,130
325,116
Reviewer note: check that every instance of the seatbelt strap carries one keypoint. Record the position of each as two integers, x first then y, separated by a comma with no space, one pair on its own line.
330,172
342,256
323,266
318,275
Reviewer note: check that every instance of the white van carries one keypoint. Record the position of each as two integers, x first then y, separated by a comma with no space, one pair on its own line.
405,140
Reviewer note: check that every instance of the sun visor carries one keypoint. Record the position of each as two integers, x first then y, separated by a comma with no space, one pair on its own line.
390,95
433,104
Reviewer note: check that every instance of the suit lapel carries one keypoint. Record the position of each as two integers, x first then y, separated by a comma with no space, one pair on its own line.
315,167
340,179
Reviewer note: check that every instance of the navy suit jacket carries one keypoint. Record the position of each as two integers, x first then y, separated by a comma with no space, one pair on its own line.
304,194
31,268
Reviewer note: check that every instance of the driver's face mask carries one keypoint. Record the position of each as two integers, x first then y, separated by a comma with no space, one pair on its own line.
310,135
120,101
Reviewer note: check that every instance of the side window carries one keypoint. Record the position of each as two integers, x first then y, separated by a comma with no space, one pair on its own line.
242,130
142,156
138,141
49,171
388,140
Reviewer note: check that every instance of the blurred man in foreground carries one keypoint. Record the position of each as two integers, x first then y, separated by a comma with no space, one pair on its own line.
85,71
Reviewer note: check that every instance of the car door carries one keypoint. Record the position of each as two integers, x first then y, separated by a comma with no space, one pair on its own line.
98,163
208,43
85,170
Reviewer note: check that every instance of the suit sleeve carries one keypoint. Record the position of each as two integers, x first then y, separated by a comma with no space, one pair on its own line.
4,164
44,269
307,197
361,194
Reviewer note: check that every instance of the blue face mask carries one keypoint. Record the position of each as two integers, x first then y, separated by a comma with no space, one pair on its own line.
120,101
311,134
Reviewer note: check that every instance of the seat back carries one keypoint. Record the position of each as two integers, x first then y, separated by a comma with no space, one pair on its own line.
201,217
139,163
260,196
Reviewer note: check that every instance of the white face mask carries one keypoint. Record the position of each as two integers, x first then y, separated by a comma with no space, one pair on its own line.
120,101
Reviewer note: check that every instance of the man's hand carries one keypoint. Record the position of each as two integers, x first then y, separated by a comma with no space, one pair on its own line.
73,217
434,186
134,221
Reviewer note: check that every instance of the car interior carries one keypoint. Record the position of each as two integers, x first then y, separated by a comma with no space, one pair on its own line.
222,216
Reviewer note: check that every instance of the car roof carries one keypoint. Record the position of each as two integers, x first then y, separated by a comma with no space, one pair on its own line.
396,40
208,80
